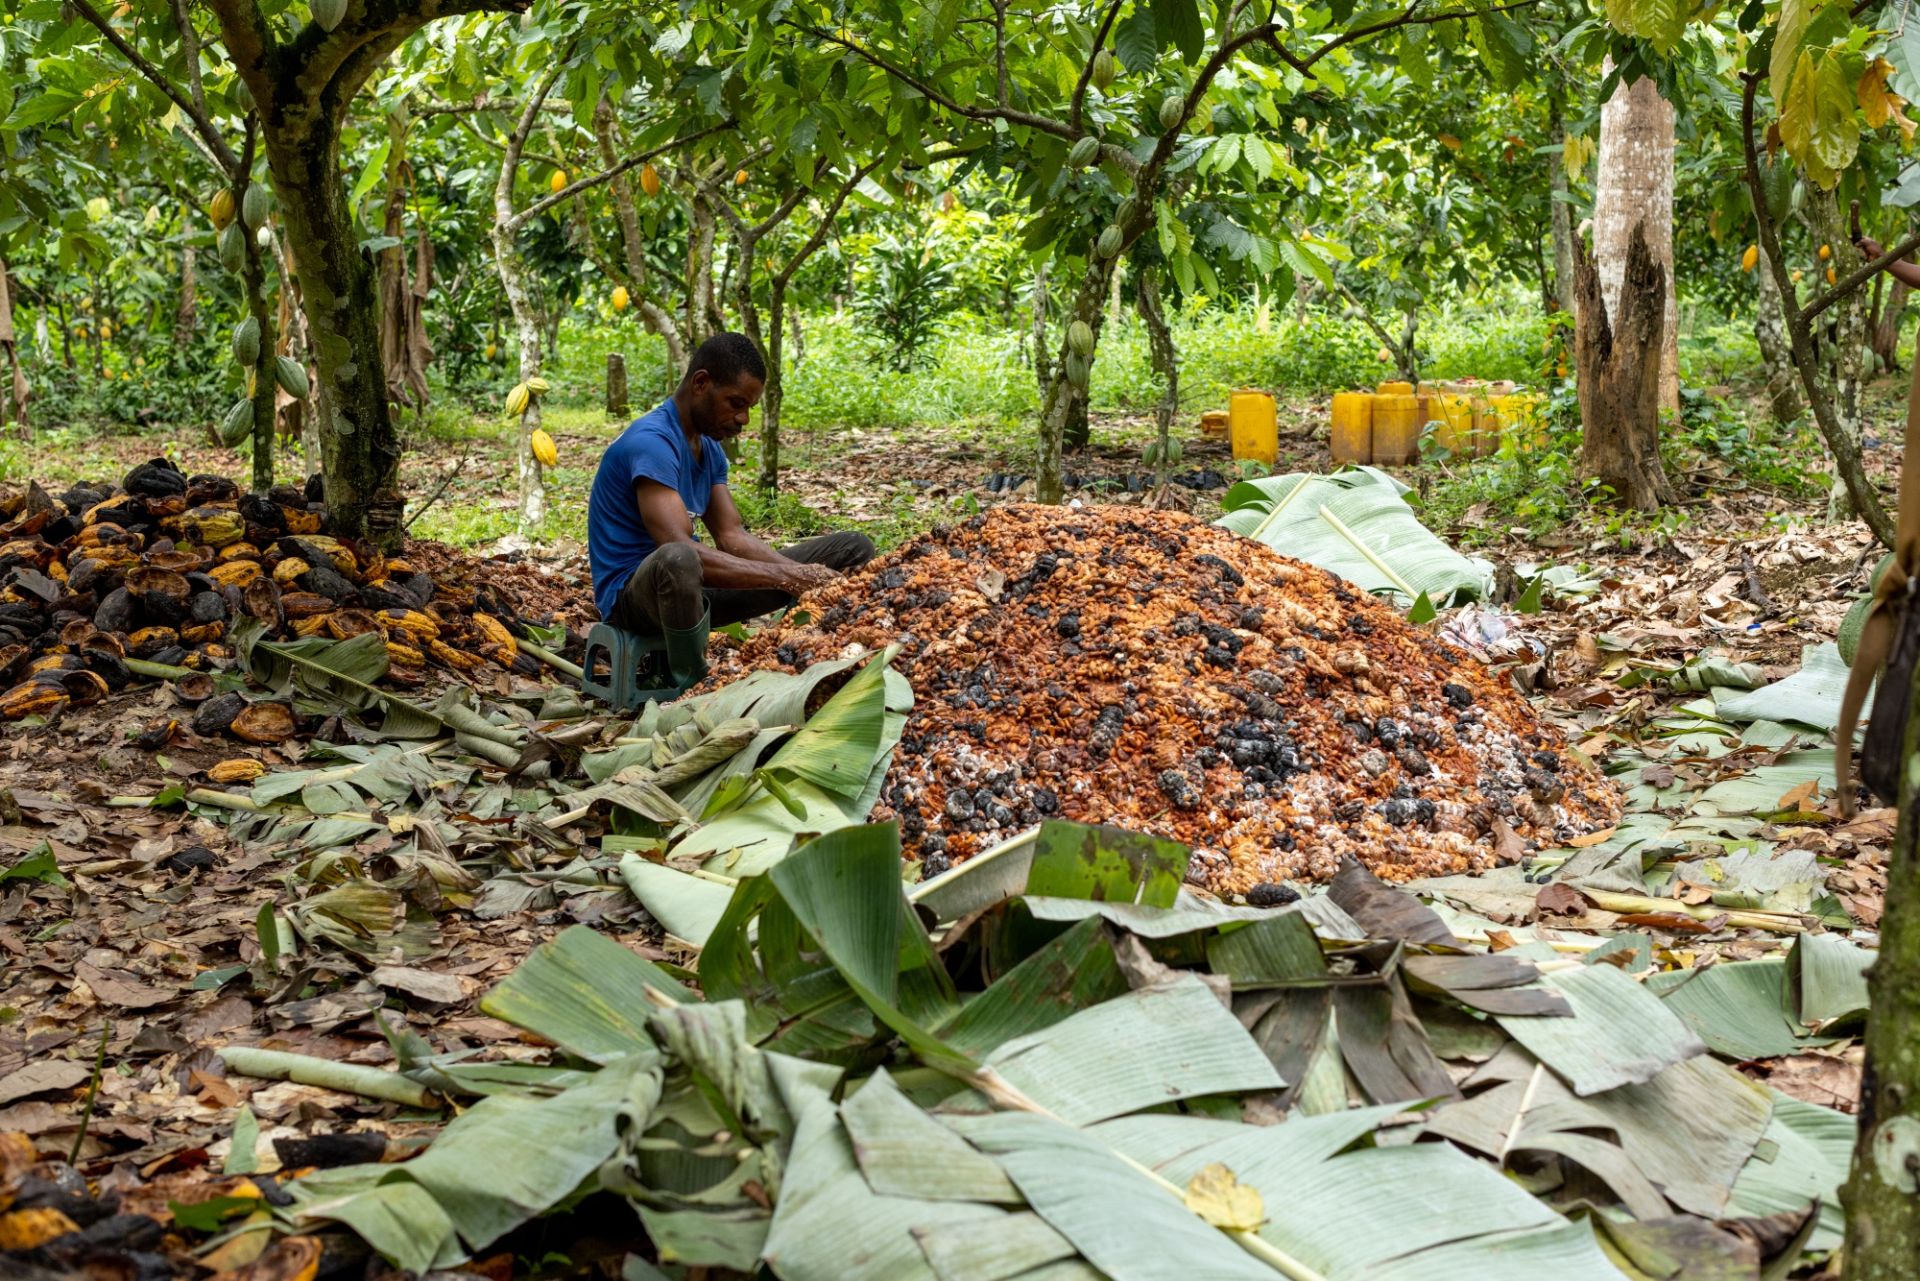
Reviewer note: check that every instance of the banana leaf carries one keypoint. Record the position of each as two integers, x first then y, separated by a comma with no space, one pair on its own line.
1354,525
338,673
1810,696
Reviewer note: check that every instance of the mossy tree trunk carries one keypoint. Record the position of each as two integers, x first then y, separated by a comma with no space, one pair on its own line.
1840,336
1776,356
303,86
1166,362
1882,1196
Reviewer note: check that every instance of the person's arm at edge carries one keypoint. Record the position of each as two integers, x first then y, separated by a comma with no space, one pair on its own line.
1903,270
667,519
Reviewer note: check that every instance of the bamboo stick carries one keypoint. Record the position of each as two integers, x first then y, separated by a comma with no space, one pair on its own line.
551,659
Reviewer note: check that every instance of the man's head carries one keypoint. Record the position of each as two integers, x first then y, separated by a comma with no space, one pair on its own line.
723,384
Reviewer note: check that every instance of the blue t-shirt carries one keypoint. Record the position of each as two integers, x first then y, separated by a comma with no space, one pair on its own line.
653,447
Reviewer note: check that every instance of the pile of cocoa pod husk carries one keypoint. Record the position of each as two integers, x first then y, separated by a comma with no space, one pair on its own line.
103,585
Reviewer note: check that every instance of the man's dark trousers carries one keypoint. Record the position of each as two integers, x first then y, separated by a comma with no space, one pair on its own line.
667,591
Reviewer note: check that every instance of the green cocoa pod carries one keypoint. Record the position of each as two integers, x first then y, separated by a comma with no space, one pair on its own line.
1111,242
1104,69
1085,151
1124,214
328,13
1080,338
254,205
246,343
233,246
1176,450
238,424
1150,456
291,376
1850,628
1078,370
1172,108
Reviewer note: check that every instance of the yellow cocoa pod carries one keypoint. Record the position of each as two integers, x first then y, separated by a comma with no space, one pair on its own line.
220,209
1831,278
544,449
235,573
312,625
620,298
557,183
1826,252
31,1229
1750,257
518,399
740,177
650,180
452,657
405,655
239,770
213,526
289,569
496,631
33,698
421,627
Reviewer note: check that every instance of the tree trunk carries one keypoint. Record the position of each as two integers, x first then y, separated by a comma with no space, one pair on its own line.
360,452
1882,1210
1634,187
638,279
1889,310
616,385
1560,213
1042,354
13,393
1166,362
253,282
66,330
1839,336
1619,375
776,388
701,307
1058,417
186,317
526,327
1776,357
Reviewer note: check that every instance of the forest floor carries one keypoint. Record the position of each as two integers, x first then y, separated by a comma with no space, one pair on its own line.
125,951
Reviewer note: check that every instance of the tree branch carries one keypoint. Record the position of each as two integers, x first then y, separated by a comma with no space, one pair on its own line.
1846,453
824,223
194,111
579,185
1011,116
1086,72
1858,277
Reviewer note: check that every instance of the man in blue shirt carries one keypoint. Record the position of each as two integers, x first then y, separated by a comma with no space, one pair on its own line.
651,572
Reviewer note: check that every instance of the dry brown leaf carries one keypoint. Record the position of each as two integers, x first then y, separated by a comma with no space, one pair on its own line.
1591,838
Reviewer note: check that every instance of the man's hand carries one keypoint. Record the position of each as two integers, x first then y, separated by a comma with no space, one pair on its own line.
803,578
1872,248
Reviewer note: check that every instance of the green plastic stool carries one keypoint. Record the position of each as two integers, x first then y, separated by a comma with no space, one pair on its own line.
636,666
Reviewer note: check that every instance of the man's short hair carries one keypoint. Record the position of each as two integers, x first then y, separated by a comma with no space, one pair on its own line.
725,357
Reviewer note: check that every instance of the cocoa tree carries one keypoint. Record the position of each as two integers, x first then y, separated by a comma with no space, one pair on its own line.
1098,159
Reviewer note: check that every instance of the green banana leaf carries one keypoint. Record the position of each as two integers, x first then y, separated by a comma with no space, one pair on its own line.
1356,525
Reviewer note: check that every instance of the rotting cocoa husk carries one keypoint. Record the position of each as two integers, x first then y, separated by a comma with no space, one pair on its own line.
162,566
1143,668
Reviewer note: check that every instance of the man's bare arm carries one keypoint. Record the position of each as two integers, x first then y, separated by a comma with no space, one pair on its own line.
667,519
730,532
1903,270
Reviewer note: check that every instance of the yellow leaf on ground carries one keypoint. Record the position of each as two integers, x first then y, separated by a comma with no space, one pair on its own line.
1591,838
1225,1202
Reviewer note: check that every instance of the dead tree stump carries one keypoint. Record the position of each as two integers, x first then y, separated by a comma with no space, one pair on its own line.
1619,375
616,385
